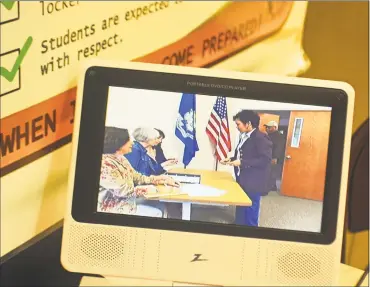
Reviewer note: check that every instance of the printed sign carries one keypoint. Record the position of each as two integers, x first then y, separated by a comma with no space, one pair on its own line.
41,127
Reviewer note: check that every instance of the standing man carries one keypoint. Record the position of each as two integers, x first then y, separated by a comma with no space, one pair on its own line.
277,153
251,162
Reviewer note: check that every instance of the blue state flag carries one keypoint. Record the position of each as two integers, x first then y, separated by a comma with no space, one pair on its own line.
185,127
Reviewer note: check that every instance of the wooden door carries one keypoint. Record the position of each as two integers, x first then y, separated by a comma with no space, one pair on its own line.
265,118
306,155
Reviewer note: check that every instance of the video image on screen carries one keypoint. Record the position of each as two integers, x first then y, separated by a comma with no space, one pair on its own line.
214,159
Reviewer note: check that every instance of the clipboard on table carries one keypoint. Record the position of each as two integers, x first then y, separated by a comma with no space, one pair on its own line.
185,178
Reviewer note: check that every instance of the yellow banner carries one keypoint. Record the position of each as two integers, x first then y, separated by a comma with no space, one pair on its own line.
34,132
44,42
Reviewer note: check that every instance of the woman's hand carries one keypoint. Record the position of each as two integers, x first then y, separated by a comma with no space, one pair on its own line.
174,160
169,162
225,161
171,182
166,180
235,163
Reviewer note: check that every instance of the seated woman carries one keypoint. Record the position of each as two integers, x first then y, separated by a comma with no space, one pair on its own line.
156,152
119,182
141,161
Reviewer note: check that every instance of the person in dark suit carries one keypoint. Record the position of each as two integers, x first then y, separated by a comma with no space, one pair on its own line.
252,163
278,149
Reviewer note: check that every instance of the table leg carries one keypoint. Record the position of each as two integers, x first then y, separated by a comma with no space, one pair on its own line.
186,210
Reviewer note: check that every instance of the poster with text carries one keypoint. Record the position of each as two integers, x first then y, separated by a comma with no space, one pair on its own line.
43,43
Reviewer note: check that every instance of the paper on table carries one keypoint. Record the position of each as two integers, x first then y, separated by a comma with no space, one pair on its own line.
201,190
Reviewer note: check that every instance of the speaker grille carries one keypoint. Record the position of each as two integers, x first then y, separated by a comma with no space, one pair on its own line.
96,247
126,249
304,264
286,264
109,243
290,265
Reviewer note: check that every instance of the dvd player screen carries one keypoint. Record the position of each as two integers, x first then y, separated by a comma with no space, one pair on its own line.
214,159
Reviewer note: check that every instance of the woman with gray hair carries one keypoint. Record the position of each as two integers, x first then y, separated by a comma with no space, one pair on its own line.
139,158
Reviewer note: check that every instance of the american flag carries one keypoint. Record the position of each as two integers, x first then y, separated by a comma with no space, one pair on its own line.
218,129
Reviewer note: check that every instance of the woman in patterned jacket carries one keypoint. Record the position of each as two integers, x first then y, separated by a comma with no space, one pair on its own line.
120,184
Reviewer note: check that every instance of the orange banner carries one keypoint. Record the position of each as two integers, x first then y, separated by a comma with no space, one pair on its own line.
36,128
236,26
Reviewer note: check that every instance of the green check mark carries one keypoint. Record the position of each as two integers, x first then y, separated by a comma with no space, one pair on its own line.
8,4
10,75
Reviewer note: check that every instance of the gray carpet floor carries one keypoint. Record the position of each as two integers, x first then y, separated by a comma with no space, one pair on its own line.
277,211
282,212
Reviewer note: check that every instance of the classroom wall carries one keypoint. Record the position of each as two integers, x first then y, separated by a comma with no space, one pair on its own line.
132,108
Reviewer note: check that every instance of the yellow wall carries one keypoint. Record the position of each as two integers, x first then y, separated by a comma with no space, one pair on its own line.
337,42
